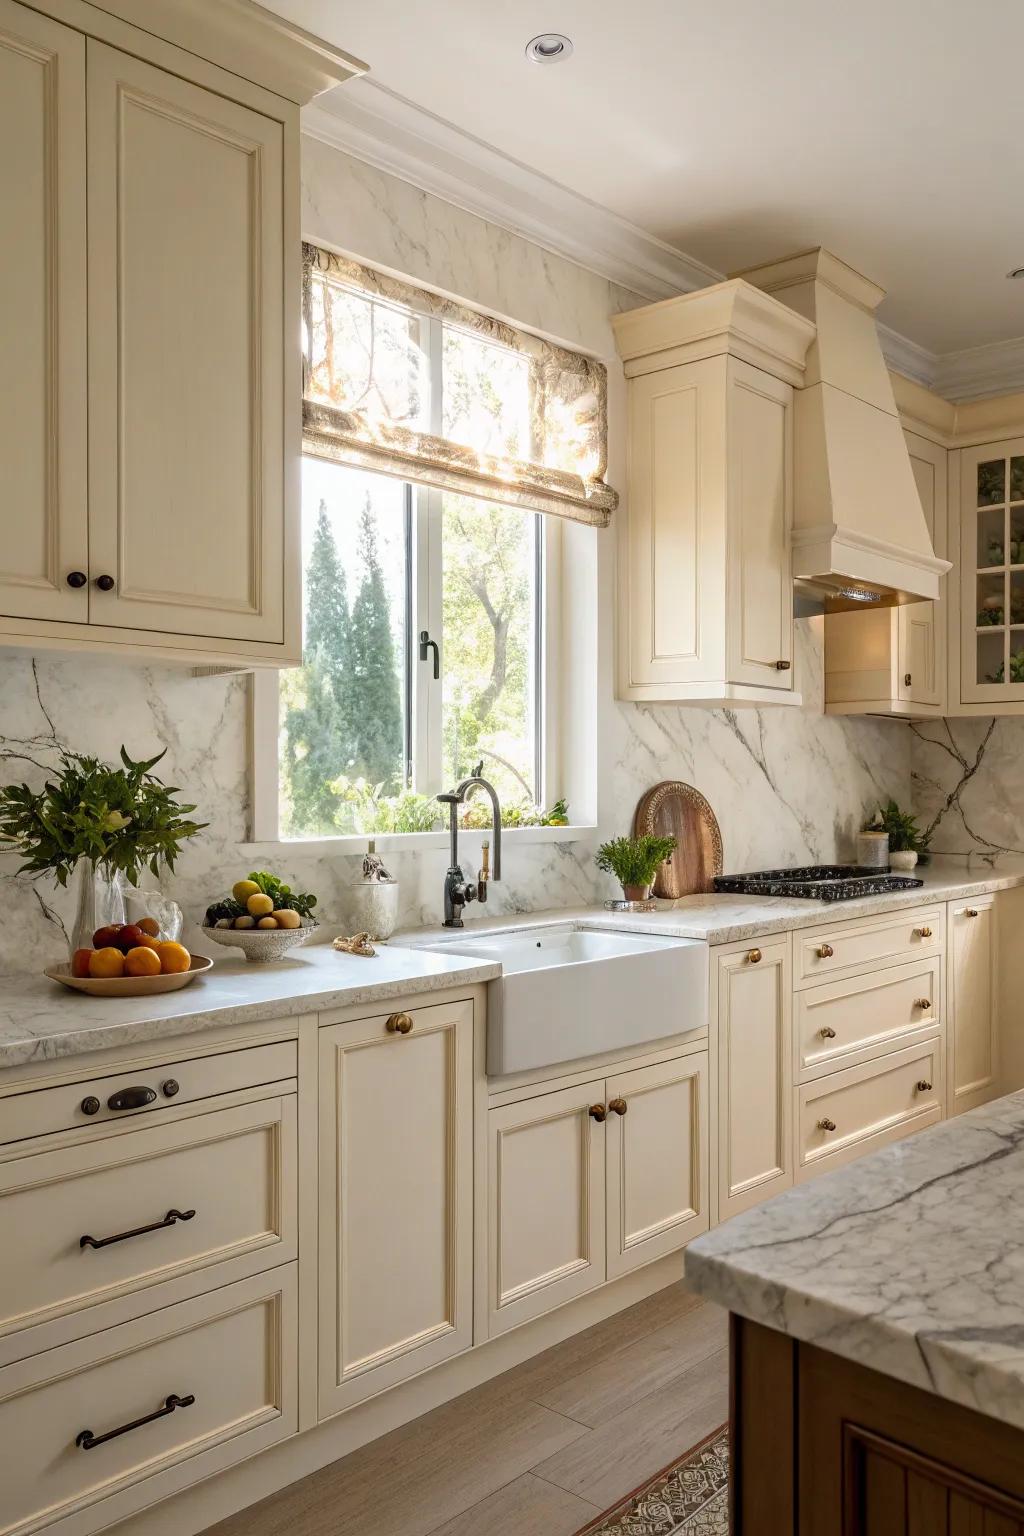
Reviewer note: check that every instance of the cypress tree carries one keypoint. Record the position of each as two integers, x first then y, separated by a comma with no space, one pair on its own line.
377,724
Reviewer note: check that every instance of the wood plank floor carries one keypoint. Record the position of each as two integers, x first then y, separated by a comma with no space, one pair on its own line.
536,1452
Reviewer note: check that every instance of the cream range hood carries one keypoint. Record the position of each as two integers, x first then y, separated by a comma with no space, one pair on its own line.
859,533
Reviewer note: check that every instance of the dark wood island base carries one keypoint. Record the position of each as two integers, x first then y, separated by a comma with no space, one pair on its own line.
824,1447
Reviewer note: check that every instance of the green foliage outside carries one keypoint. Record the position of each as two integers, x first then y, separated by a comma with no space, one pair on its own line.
122,818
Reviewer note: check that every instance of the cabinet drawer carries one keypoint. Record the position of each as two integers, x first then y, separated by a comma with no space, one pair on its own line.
843,949
82,1224
847,1021
173,1083
230,1355
841,1116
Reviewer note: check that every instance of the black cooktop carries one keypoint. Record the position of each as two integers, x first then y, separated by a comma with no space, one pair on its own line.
817,882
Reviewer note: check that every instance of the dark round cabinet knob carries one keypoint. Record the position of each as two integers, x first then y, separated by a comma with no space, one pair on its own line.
76,578
170,1087
105,583
90,1106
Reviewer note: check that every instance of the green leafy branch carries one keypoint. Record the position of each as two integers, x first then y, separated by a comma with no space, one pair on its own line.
122,818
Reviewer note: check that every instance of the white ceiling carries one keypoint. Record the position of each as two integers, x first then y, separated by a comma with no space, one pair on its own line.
889,130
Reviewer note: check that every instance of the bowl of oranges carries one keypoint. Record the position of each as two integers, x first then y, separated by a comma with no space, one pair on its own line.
262,917
130,960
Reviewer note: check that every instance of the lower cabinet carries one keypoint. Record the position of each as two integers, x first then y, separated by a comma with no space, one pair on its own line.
844,1115
973,1036
396,1198
589,1182
752,998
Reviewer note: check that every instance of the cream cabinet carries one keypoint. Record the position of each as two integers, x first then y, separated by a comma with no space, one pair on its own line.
150,374
892,661
992,575
395,1198
43,449
706,591
752,1005
973,1038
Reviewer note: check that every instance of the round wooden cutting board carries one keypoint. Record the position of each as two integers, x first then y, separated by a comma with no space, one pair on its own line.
674,809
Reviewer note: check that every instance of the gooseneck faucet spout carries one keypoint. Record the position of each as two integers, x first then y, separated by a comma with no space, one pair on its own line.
458,891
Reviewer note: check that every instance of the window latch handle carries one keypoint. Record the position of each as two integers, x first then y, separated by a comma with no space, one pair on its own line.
425,645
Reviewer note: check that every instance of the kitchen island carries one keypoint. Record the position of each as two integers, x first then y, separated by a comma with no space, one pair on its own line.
878,1340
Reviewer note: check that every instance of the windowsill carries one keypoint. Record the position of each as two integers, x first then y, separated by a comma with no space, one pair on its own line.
419,842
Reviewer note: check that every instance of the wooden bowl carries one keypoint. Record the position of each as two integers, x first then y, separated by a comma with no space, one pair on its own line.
129,986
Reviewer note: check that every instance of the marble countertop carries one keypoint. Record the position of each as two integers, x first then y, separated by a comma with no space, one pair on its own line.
909,1261
42,1021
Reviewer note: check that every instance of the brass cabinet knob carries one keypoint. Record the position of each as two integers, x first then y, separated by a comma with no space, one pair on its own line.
598,1112
924,1086
617,1106
825,951
923,933
783,666
827,1032
924,1003
398,1024
753,956
826,1125
970,912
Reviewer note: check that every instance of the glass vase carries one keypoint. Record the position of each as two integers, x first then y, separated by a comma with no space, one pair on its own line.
100,901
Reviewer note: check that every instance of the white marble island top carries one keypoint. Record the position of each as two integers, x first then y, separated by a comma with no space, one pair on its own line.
42,1021
909,1261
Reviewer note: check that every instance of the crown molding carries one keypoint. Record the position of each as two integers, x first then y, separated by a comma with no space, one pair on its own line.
905,356
977,372
386,131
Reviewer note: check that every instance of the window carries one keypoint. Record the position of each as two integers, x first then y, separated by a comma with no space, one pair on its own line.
443,452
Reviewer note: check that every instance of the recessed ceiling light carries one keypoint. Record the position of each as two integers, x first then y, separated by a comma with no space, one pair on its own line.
1016,272
548,48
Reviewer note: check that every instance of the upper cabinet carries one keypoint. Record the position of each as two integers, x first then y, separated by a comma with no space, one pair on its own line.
992,574
150,307
706,591
892,661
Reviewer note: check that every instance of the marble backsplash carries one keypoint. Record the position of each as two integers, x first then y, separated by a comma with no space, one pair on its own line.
788,786
966,784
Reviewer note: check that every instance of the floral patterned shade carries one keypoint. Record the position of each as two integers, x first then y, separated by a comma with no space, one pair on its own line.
516,419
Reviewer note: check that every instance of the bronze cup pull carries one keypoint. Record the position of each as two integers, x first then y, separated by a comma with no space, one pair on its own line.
617,1106
136,1097
598,1112
754,956
826,1125
399,1024
87,1441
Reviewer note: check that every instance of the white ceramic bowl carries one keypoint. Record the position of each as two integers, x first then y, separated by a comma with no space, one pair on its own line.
261,945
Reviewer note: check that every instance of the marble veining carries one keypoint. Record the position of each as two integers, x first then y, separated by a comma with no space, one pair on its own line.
966,783
909,1261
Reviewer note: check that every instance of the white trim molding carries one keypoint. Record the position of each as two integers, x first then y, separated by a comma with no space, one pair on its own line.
392,134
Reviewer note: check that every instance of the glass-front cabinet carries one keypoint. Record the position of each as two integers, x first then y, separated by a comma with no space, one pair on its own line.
992,573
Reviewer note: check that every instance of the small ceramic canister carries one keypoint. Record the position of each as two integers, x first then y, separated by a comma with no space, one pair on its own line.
873,850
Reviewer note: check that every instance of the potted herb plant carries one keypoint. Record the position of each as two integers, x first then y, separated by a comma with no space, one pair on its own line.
108,823
634,861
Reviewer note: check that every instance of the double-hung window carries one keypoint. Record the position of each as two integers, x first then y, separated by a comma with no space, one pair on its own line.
443,450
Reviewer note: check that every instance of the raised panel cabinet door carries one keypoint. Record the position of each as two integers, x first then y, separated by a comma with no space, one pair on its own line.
759,623
186,356
921,650
676,533
656,1137
43,453
546,1202
396,1198
754,1016
974,1032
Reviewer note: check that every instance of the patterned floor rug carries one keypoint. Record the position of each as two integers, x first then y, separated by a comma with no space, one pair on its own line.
688,1498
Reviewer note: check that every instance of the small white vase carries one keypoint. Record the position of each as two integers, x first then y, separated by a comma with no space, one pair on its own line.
373,907
903,860
873,850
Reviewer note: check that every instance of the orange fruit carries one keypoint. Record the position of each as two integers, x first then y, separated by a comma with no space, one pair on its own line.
173,957
142,961
80,962
149,925
147,941
106,962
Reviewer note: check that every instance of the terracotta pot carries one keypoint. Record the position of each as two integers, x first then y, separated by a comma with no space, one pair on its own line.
636,892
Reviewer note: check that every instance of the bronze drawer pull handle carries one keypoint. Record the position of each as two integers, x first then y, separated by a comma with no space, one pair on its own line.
88,1441
924,1087
754,956
907,679
399,1024
783,666
923,933
618,1106
597,1112
827,1032
970,912
826,1125
170,1220
924,1003
825,951
131,1098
